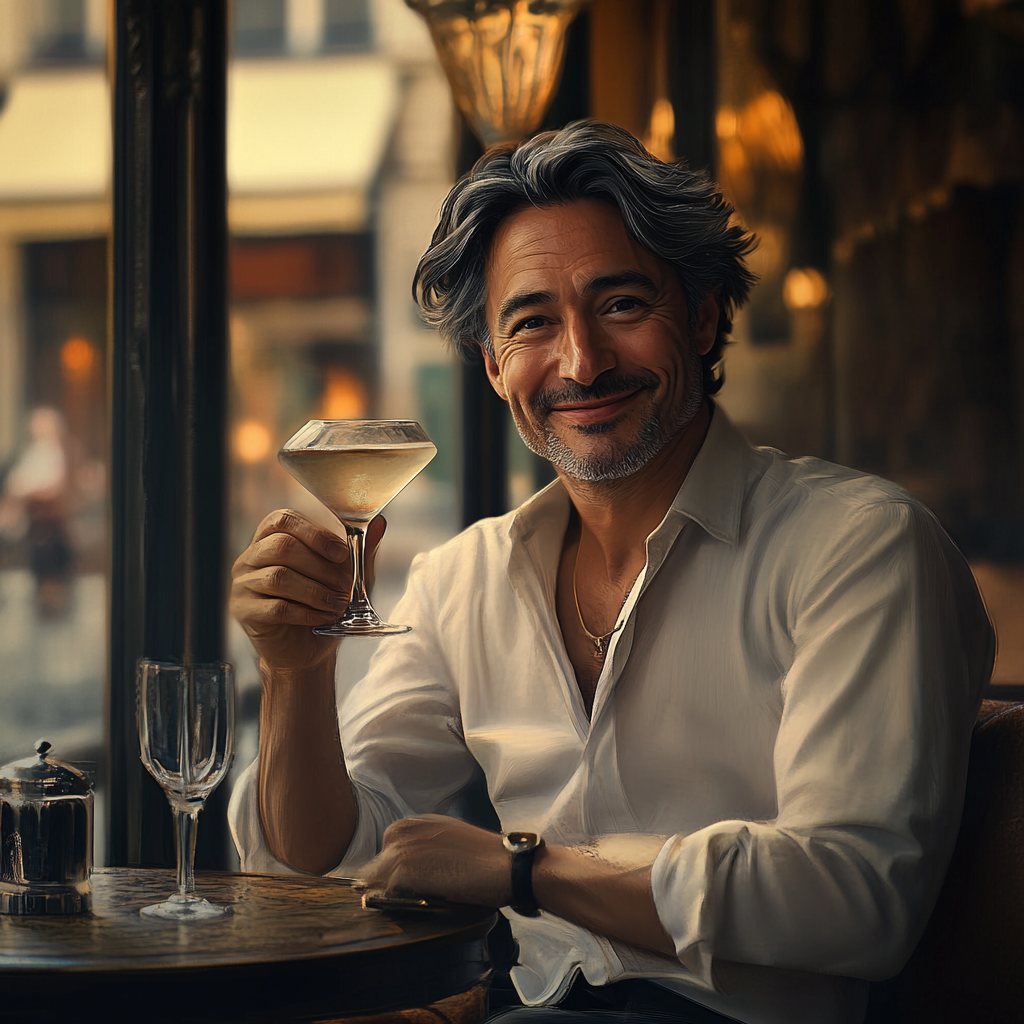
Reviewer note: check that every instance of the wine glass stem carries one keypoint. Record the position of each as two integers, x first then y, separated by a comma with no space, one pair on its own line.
186,829
359,603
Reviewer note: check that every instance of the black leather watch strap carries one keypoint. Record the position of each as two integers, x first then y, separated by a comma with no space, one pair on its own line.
523,847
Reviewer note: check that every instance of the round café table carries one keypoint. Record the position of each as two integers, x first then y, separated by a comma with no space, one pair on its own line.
295,948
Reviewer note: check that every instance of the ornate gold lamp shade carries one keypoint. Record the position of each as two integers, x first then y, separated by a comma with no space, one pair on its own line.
503,59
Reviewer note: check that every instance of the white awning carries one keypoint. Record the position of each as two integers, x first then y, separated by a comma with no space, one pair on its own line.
305,138
308,126
55,137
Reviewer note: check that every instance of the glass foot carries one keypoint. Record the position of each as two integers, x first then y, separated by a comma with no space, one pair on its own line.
361,620
378,628
185,908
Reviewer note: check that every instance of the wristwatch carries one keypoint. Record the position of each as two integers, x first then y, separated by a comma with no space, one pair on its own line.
523,846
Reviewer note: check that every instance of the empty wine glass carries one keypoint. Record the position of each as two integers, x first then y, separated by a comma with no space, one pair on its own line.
355,467
186,718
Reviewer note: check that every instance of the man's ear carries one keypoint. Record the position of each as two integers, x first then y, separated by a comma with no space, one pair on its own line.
493,373
705,330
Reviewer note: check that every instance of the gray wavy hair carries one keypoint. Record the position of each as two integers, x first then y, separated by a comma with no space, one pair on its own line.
676,214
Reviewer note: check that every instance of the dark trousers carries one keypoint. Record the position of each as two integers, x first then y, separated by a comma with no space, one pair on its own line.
636,1001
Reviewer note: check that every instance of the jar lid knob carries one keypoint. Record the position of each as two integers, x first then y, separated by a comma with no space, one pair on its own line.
43,775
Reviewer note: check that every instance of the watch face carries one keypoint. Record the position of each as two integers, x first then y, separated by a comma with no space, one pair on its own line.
519,842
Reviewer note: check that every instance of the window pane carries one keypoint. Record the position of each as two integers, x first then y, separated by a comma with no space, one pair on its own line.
54,220
59,31
259,27
346,24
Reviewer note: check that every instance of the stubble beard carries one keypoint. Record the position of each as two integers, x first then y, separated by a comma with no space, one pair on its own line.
618,462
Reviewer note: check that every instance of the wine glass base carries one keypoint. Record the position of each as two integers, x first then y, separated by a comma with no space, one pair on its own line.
361,629
186,908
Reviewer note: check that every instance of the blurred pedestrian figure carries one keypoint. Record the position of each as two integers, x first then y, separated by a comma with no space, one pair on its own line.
38,485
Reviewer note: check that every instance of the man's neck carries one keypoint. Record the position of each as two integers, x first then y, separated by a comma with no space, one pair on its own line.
621,514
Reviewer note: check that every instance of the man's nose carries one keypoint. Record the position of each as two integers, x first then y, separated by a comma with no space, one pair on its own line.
585,351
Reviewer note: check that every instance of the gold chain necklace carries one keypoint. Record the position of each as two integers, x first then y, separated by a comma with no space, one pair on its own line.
600,642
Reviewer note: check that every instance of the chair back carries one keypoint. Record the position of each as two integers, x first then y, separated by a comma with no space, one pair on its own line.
969,964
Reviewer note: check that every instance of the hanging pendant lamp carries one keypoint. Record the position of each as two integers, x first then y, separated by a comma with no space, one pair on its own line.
503,59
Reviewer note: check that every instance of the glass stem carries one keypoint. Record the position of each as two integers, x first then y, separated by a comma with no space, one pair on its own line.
186,829
359,604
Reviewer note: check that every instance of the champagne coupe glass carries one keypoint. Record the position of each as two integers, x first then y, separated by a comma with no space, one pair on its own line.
186,731
355,467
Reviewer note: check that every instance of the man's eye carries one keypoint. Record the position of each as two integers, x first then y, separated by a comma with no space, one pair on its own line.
531,323
624,305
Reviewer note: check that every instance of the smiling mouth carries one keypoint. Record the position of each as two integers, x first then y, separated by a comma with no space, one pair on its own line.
595,405
596,409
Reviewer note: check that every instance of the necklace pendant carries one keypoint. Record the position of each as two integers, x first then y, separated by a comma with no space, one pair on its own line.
600,646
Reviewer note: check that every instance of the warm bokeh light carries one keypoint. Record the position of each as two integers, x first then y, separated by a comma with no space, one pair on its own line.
344,396
661,132
767,129
804,288
760,137
252,441
726,122
77,358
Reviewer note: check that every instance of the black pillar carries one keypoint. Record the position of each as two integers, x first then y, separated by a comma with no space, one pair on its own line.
168,384
484,456
484,414
692,70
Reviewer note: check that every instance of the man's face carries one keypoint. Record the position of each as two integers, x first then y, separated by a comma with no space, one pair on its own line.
591,346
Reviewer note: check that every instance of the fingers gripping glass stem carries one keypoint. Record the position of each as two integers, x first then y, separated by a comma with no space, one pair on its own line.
359,617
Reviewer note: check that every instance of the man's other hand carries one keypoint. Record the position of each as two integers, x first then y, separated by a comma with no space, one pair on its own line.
293,576
435,855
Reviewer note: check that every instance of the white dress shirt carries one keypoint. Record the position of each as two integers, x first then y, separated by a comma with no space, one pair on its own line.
781,727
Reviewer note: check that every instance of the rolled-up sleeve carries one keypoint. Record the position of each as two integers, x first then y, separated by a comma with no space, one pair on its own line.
401,732
891,651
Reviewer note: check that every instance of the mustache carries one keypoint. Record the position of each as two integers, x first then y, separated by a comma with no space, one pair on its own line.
605,386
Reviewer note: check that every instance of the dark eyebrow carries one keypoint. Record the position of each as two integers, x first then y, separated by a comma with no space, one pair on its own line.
610,281
514,303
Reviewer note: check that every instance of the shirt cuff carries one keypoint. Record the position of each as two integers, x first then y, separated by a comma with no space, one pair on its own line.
682,886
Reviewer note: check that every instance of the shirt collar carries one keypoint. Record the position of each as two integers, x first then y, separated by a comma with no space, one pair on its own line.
714,489
711,495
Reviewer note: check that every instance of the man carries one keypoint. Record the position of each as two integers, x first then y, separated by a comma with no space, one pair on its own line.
732,691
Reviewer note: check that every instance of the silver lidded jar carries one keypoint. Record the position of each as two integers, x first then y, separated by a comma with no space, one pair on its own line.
46,822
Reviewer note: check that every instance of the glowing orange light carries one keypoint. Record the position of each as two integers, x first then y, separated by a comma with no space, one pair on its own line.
661,130
726,122
344,396
252,441
760,138
804,288
77,358
768,127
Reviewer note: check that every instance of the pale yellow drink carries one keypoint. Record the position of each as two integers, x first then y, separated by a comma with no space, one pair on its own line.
355,467
356,482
